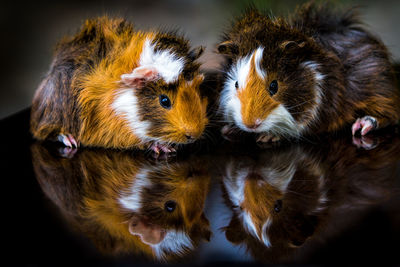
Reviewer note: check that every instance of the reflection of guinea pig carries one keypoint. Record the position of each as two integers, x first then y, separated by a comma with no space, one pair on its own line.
112,86
124,204
271,191
288,202
319,71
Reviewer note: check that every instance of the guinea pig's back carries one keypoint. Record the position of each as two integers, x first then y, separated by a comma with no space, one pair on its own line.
55,108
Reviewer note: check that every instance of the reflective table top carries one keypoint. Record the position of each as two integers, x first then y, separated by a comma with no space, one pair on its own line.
331,200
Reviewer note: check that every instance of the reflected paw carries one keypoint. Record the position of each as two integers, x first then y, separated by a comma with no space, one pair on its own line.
67,152
364,125
68,140
364,142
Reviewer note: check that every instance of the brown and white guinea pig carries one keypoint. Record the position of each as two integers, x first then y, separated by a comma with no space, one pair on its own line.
317,71
124,203
115,87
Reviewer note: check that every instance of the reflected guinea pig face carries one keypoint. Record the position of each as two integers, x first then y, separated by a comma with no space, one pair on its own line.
166,203
275,198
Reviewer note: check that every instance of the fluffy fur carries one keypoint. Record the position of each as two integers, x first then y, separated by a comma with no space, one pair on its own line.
104,84
330,71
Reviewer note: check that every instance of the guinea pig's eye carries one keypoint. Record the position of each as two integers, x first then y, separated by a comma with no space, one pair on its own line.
273,87
236,85
278,206
170,206
165,102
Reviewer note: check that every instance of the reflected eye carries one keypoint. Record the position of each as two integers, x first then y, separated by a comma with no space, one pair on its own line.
278,206
273,87
170,206
165,102
236,84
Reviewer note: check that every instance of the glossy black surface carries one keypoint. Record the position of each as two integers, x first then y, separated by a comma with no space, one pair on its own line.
318,202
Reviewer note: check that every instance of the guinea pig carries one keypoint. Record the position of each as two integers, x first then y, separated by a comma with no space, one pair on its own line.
112,86
126,204
318,71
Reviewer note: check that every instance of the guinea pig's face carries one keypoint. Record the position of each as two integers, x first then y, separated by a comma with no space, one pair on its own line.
271,90
161,97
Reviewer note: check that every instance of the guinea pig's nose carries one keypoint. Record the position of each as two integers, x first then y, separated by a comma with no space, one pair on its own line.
254,125
188,137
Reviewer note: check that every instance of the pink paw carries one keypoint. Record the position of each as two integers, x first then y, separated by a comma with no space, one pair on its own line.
68,140
158,148
364,125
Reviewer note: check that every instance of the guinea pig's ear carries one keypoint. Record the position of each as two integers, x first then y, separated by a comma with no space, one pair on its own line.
291,45
195,53
227,48
139,77
150,234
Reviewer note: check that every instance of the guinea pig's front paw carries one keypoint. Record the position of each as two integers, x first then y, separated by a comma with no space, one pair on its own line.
267,138
68,140
158,148
230,133
365,125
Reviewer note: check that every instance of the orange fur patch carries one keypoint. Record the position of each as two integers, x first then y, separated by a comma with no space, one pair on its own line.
99,92
256,103
188,115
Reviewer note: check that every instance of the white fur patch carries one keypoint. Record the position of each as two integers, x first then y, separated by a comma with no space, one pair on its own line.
166,62
281,123
126,105
229,102
264,232
133,201
318,77
175,242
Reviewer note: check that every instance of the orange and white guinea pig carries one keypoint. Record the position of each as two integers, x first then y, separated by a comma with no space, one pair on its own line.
317,72
114,87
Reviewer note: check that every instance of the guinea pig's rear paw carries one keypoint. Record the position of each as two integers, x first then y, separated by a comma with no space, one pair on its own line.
68,140
365,142
267,138
158,149
365,125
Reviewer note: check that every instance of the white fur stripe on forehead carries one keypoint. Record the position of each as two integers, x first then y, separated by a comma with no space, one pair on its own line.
168,64
243,66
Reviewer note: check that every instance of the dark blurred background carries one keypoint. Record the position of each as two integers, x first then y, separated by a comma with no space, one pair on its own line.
30,29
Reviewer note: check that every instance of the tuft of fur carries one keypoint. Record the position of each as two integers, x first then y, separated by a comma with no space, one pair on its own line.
104,84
